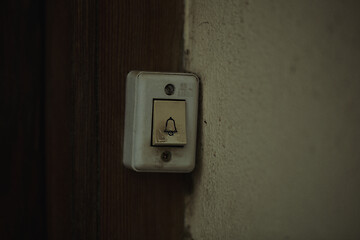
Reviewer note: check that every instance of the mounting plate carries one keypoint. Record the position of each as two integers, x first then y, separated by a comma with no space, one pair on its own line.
142,88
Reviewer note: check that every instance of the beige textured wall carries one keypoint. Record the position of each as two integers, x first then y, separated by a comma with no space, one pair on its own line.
280,152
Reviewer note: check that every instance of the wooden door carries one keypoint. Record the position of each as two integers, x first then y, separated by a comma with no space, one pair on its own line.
22,170
92,45
84,51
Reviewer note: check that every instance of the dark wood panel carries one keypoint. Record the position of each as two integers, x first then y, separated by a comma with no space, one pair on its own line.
135,35
72,120
22,177
59,118
85,151
91,46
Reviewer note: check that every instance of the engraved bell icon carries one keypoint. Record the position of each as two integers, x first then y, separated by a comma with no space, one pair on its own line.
170,126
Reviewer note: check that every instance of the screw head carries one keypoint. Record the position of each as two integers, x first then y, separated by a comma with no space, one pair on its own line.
166,156
169,89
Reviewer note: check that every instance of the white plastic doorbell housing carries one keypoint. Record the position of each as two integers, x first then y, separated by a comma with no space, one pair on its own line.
160,121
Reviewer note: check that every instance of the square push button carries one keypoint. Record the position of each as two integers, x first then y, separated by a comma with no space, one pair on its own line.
169,123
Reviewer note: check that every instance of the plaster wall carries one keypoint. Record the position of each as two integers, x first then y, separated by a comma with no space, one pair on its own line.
279,154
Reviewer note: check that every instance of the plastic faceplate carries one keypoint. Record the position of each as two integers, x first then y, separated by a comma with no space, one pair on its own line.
141,89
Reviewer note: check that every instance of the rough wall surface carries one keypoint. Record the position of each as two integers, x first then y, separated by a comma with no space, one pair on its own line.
280,126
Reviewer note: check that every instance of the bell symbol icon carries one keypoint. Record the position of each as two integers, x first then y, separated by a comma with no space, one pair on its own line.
170,126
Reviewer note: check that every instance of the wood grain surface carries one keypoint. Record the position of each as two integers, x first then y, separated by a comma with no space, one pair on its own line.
143,35
91,46
22,173
59,119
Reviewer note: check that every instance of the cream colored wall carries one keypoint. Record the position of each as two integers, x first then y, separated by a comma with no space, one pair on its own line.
280,141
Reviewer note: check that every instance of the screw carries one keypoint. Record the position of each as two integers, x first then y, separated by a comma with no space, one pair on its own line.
169,89
166,156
